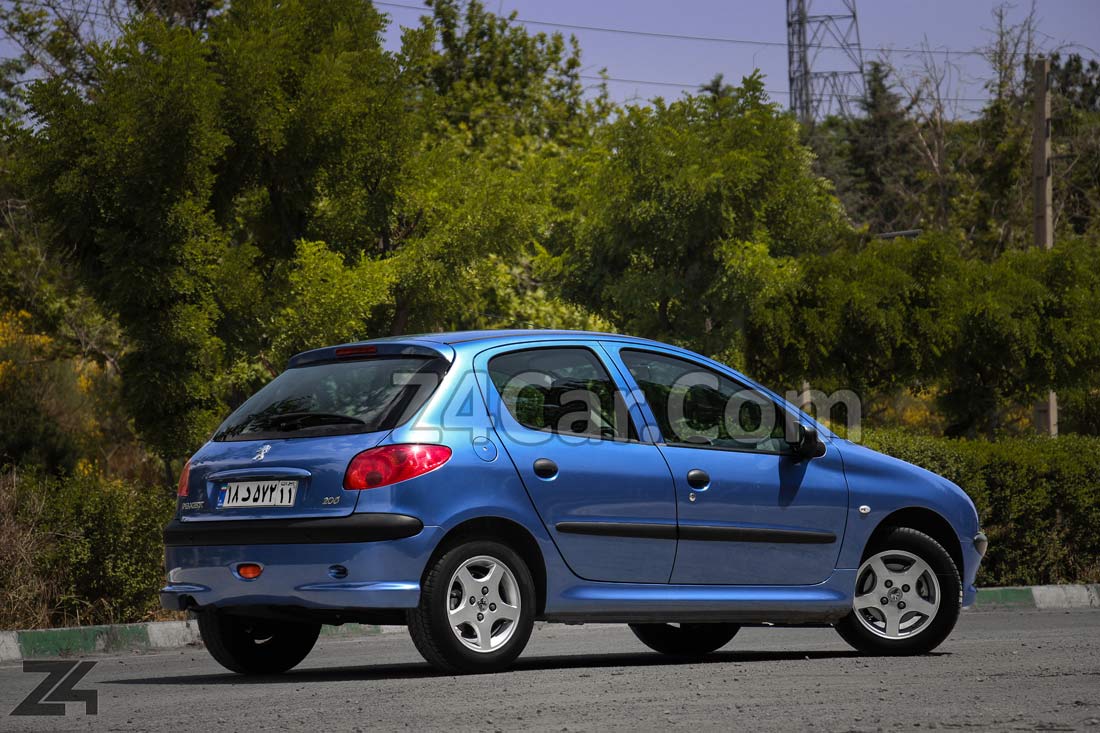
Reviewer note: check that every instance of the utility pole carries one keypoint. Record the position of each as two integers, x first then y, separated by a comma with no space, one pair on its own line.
1046,411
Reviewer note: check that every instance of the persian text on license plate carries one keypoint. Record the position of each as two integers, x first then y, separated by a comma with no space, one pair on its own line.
258,493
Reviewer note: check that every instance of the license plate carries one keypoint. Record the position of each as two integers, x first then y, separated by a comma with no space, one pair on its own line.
257,493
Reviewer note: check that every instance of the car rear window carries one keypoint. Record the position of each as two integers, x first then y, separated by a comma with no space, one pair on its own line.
561,390
336,398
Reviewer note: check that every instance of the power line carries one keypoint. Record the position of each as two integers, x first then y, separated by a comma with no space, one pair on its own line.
703,39
697,85
616,79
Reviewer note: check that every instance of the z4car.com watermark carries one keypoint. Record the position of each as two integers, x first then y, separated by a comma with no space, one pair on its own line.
59,687
697,408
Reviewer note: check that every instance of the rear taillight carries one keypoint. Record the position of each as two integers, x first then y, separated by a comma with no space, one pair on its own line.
389,464
185,478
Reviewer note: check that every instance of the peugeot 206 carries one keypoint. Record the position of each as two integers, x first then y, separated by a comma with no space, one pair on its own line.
468,484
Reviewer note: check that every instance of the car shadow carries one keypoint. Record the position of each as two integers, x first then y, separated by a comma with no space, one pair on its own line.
524,664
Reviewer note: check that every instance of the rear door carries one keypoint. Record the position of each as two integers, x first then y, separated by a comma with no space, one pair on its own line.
605,496
284,452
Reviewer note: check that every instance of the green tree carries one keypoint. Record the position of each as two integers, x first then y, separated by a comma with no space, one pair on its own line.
496,82
1075,124
883,160
125,176
685,215
271,179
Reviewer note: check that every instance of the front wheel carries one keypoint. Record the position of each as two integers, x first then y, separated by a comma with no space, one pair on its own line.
907,596
687,640
250,645
477,609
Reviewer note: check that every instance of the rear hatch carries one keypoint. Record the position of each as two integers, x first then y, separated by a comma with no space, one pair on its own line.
284,452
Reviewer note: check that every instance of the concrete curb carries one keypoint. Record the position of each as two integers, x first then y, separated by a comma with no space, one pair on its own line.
1044,597
84,640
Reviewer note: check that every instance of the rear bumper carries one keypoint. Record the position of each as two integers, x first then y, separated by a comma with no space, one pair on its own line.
366,527
339,574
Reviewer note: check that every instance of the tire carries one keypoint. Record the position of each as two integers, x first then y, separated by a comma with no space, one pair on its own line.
249,645
685,640
445,626
916,617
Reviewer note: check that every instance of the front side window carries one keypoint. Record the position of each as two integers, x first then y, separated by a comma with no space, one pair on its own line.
565,390
697,406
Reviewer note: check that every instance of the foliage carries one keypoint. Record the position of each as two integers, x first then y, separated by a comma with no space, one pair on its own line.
1075,119
79,549
687,214
513,295
1038,500
499,84
275,179
36,424
874,159
916,314
1079,411
124,177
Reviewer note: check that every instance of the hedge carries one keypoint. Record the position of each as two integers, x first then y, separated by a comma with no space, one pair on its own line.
1038,500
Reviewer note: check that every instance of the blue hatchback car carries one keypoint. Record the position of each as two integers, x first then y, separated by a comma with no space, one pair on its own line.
469,484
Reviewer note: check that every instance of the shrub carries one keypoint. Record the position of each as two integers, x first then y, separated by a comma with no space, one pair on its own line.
79,549
1038,500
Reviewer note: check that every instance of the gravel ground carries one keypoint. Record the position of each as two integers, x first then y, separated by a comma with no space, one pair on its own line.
1000,670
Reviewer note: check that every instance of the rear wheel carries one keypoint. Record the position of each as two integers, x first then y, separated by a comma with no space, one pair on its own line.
690,640
477,609
250,645
907,596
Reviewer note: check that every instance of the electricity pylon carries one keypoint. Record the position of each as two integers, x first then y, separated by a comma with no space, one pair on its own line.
824,57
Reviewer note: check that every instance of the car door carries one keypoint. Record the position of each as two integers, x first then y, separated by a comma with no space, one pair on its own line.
750,511
606,497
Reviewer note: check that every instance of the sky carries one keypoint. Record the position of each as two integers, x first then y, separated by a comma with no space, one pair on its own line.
643,67
893,24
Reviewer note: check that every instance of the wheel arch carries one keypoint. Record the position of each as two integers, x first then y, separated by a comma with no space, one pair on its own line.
923,520
508,531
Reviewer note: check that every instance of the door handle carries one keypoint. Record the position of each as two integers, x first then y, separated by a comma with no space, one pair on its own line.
545,468
698,478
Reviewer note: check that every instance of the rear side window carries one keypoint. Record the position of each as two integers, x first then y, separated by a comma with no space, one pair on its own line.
561,390
338,398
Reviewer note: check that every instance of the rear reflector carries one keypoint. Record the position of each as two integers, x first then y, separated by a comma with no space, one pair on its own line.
249,570
185,478
389,464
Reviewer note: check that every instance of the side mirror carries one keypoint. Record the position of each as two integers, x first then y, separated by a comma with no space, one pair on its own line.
808,445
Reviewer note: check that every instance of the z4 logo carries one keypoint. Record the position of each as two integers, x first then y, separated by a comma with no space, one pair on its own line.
52,693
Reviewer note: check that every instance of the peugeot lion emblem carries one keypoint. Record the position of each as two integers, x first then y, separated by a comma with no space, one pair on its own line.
261,453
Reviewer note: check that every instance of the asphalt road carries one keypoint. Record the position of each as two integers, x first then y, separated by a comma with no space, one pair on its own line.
1000,670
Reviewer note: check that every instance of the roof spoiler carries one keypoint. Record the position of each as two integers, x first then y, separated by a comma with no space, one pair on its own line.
371,349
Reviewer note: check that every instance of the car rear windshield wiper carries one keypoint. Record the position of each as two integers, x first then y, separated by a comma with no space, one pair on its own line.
288,421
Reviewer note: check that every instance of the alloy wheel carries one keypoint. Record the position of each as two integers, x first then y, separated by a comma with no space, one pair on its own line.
483,605
897,594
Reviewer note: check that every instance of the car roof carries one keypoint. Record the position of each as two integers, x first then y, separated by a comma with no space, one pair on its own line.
446,344
510,335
